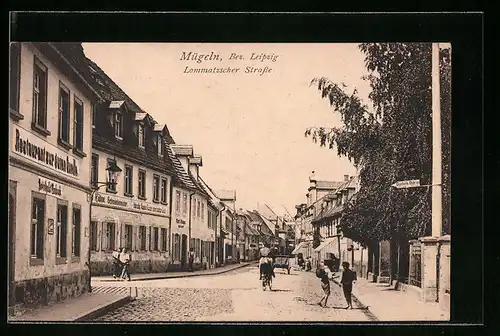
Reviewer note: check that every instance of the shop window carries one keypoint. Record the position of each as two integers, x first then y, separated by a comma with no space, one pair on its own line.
40,97
164,240
156,239
109,237
142,238
78,127
156,188
129,174
128,237
93,236
61,230
37,226
76,232
64,116
163,190
142,184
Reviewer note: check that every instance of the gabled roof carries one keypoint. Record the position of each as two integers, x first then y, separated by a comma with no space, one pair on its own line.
184,150
213,201
226,194
182,177
197,160
328,184
198,186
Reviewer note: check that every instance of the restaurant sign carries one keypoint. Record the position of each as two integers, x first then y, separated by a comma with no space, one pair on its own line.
49,187
43,153
128,204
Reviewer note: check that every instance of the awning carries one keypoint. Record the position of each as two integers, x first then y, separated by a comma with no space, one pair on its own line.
299,247
324,244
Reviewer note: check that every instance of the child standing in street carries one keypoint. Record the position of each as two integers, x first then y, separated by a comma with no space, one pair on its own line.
125,259
324,274
117,267
348,279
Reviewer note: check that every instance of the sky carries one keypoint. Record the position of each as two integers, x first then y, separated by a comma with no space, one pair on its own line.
249,128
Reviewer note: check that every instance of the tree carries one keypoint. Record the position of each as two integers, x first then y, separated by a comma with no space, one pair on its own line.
389,142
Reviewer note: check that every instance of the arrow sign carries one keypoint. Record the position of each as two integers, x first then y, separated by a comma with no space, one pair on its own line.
407,184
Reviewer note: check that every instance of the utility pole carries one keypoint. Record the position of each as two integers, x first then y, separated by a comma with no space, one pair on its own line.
437,221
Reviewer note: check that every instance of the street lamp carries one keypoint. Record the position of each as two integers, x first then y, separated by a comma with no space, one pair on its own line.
112,177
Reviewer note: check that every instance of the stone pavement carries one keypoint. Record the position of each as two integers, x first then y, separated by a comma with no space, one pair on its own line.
170,275
388,304
232,296
83,308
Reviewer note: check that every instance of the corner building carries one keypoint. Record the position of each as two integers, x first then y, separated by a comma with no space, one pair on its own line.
135,212
49,177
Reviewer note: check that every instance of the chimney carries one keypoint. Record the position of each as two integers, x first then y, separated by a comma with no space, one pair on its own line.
312,177
346,178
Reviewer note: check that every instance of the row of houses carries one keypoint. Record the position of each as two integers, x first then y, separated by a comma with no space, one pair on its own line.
404,266
90,171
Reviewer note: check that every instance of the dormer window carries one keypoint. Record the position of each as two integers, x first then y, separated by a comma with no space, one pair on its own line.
141,135
159,145
118,125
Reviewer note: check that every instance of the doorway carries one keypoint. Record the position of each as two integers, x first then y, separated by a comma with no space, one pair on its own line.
183,250
12,240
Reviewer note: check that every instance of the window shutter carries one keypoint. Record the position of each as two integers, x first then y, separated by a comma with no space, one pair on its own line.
102,246
123,235
149,240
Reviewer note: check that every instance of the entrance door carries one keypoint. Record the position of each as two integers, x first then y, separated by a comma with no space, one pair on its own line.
183,250
12,239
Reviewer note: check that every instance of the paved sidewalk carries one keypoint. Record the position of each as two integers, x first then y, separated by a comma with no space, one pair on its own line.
169,275
388,304
83,308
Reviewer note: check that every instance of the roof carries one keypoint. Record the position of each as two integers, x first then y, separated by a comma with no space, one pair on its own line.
226,194
159,127
299,247
328,184
184,150
121,150
140,116
198,185
267,222
182,176
197,160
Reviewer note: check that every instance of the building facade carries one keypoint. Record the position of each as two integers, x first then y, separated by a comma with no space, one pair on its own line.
134,212
49,176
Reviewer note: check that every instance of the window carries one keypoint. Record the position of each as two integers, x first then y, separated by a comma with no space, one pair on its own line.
40,94
93,236
184,203
37,227
93,110
194,209
156,188
209,219
78,131
63,130
164,240
177,201
61,230
202,211
142,184
128,237
94,170
159,145
177,247
198,209
15,57
163,190
142,238
156,239
128,180
109,242
118,125
77,221
141,135
111,186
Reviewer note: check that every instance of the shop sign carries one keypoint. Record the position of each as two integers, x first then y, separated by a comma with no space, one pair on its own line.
180,222
43,153
49,187
127,204
50,226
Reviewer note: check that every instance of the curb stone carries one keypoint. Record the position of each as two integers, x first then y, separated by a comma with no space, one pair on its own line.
103,310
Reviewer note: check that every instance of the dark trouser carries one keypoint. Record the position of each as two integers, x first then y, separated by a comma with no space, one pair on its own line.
191,264
117,269
347,292
125,272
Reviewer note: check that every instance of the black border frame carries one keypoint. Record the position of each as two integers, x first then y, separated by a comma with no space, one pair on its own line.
463,30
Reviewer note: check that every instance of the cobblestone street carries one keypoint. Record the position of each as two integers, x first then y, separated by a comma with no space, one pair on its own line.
233,296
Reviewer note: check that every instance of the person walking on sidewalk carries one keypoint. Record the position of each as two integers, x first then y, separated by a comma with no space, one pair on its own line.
125,259
324,274
117,265
349,277
191,260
